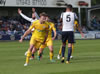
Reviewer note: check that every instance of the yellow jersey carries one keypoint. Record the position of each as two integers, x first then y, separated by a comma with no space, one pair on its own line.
40,29
76,25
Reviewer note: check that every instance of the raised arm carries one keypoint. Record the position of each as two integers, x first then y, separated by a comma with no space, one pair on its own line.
24,16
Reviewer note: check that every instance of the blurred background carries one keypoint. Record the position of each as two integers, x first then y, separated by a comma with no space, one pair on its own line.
13,26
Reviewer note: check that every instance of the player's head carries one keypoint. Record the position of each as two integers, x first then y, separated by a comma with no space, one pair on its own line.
33,15
69,7
43,16
33,10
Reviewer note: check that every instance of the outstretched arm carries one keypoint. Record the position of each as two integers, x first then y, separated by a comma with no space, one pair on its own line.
24,16
25,34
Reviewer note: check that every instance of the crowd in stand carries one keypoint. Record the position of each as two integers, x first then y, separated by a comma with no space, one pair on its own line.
17,25
12,26
95,22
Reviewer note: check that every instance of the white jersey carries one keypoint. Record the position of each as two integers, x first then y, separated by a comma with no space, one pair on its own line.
27,18
68,19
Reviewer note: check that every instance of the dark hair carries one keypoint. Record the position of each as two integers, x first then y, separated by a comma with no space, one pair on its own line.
69,6
43,14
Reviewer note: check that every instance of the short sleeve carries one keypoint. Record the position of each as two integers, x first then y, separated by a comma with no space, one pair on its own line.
32,26
75,16
47,27
61,15
53,27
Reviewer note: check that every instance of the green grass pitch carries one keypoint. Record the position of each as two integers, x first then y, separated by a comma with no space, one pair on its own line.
86,59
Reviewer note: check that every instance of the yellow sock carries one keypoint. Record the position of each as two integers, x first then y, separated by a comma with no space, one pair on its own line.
29,53
51,55
60,50
63,58
72,48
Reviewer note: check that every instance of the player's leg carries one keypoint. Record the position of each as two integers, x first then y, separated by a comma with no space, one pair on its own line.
40,53
32,57
70,42
58,56
38,44
34,50
51,53
60,51
41,50
72,47
64,38
63,52
28,55
50,46
72,50
69,52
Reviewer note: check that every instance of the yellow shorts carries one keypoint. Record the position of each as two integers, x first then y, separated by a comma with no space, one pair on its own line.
49,42
36,42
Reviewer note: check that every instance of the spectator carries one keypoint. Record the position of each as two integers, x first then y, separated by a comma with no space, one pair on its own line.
94,22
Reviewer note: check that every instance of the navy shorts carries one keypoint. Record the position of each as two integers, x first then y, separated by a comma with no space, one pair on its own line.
68,35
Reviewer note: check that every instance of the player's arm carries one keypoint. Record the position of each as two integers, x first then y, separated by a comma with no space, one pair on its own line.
61,17
47,31
79,27
80,30
55,33
25,34
61,21
24,16
46,36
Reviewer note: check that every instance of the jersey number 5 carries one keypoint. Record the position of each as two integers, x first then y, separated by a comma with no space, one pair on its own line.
68,19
